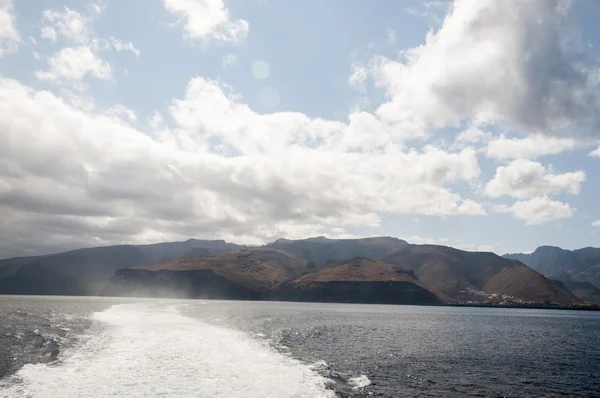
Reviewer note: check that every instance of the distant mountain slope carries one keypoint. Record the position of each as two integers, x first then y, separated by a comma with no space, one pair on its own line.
591,275
360,281
87,271
247,274
584,290
582,265
320,250
272,274
258,269
461,275
221,269
466,275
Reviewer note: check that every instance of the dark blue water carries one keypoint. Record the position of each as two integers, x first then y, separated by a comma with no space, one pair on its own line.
365,350
414,351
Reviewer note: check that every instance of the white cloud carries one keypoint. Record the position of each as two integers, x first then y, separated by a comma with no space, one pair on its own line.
122,112
537,210
229,60
529,147
9,35
69,24
82,55
459,244
477,248
97,8
72,177
73,64
48,33
595,152
470,136
406,182
500,62
358,76
526,179
120,45
473,135
596,223
207,20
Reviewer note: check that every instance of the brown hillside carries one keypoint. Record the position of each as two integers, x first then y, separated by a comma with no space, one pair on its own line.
360,280
365,270
360,269
458,274
257,269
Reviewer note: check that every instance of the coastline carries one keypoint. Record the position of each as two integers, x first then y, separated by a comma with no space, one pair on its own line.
535,306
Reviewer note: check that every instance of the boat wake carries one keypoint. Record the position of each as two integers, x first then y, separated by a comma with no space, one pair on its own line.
150,349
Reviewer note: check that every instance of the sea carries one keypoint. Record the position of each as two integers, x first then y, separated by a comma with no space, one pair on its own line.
115,347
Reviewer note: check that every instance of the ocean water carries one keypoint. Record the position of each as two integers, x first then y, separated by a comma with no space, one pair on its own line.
99,347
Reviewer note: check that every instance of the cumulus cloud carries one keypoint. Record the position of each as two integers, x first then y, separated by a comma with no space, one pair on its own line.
68,24
72,177
471,136
529,147
523,178
9,35
596,223
537,210
595,152
81,57
502,62
207,20
74,63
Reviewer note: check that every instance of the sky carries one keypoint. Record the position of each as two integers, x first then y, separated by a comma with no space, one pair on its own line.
470,123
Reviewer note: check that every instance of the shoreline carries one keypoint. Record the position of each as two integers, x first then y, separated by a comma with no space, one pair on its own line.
537,306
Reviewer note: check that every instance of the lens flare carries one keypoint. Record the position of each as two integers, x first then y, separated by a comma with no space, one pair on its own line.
260,69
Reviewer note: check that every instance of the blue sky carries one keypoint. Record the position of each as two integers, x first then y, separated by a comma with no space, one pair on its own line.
469,123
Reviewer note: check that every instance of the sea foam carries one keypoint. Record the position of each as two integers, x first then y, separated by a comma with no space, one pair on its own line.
359,382
147,349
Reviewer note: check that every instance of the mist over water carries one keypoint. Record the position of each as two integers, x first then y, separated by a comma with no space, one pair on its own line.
203,348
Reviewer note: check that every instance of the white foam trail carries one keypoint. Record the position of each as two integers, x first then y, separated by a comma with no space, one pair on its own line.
359,382
149,350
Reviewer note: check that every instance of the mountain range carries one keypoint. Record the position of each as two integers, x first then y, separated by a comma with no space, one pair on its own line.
578,270
369,270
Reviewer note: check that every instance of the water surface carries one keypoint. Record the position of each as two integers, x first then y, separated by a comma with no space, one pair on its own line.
68,346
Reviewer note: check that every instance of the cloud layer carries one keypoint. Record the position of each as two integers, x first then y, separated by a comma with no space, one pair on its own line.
233,174
208,165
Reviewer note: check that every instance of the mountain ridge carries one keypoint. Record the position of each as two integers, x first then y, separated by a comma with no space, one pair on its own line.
582,265
449,274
